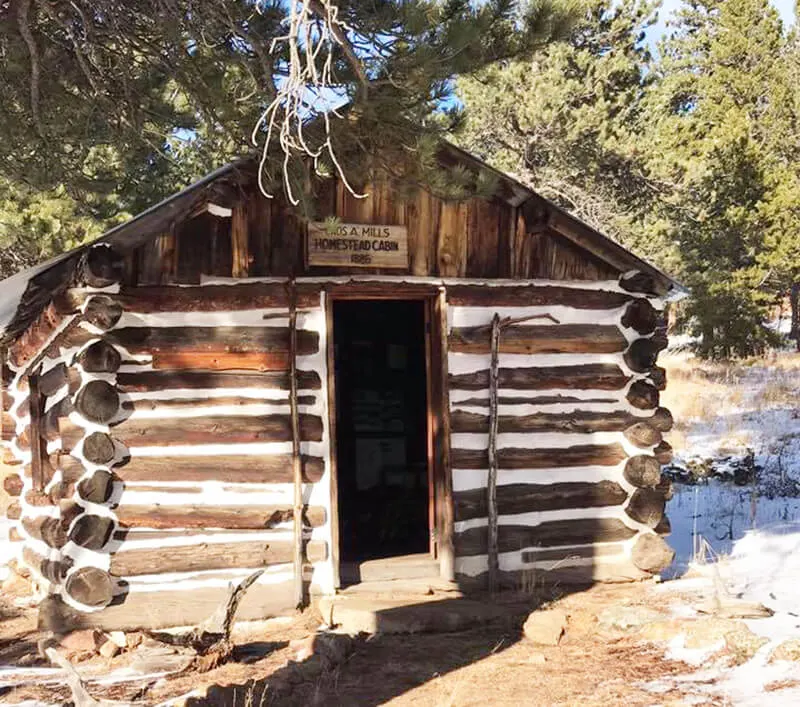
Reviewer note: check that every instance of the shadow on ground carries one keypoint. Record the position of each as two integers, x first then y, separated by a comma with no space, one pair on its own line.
380,667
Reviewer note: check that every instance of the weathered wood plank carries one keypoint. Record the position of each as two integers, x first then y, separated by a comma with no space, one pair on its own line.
559,575
600,376
513,458
533,296
228,429
186,516
256,469
531,339
168,380
205,298
31,341
203,556
169,404
162,609
530,400
451,259
575,531
578,421
222,339
525,498
222,361
240,255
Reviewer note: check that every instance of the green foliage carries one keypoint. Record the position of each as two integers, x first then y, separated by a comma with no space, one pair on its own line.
37,224
718,121
116,105
690,157
567,120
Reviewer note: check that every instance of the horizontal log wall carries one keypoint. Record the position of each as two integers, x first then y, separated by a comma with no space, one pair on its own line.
157,439
171,428
579,431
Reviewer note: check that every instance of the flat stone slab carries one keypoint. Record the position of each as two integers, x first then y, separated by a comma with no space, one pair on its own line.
378,615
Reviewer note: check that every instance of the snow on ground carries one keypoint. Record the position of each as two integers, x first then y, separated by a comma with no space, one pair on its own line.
763,568
737,451
736,511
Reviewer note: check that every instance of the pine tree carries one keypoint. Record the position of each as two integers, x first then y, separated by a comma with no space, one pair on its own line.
567,122
718,114
83,78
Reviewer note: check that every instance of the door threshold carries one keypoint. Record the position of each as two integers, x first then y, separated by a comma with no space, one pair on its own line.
416,566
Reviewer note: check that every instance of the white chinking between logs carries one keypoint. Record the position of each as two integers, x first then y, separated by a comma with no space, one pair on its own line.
603,560
607,560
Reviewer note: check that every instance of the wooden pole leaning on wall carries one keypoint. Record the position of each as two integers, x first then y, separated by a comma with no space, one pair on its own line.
297,472
491,484
37,412
497,326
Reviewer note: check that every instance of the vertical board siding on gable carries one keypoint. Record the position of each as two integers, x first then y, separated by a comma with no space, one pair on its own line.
475,238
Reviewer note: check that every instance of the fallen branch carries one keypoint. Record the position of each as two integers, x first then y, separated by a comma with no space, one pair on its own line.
211,638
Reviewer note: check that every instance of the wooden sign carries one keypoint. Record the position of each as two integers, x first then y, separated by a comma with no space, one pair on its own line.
357,245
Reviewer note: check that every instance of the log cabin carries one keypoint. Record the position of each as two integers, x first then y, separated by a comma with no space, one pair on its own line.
405,387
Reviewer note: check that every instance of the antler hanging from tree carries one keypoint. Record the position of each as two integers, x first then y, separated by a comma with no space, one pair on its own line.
314,30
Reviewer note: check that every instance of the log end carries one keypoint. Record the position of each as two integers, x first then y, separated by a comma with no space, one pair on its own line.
102,311
651,553
642,471
647,507
92,531
636,281
642,434
90,586
99,448
98,401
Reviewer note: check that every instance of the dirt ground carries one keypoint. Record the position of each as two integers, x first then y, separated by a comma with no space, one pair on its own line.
489,664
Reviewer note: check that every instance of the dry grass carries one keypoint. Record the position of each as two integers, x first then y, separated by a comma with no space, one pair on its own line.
719,392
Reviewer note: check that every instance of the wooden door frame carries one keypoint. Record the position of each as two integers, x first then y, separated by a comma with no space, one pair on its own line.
440,500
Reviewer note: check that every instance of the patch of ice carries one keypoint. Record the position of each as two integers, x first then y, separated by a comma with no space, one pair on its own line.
721,513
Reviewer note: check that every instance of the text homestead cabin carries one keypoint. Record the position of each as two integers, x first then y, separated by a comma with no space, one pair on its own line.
407,387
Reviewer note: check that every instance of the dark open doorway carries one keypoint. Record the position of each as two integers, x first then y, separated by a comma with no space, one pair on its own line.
381,430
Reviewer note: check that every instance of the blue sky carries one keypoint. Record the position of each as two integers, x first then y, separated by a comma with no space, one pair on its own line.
785,8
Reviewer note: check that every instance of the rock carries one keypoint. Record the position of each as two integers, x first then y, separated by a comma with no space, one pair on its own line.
327,649
788,650
16,585
119,638
661,631
537,659
704,632
651,553
742,643
624,618
84,641
109,649
708,631
545,627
